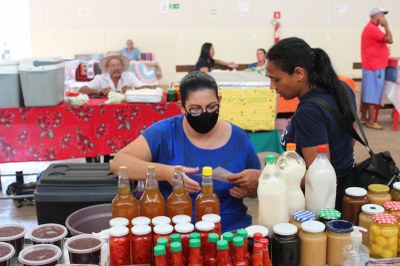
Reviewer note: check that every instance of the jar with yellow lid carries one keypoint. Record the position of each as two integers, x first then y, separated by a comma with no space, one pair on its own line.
395,191
392,207
365,219
313,241
383,236
378,194
338,233
299,217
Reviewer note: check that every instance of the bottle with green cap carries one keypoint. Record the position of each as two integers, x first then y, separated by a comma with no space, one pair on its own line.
160,255
243,233
162,241
272,196
176,254
194,235
223,253
228,236
175,238
211,255
195,258
239,251
207,201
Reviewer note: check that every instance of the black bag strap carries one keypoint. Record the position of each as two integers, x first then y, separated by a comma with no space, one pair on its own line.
343,122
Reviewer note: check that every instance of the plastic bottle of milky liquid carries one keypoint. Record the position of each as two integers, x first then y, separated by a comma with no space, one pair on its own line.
320,183
272,190
292,169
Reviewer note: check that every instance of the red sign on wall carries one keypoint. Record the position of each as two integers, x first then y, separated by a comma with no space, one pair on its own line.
277,15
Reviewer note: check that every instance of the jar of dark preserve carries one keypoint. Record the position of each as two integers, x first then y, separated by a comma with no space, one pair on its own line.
354,198
285,245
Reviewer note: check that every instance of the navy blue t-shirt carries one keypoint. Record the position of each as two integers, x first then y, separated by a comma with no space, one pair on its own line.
312,125
202,62
169,145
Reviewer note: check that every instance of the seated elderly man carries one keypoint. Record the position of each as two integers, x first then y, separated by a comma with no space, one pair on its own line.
114,77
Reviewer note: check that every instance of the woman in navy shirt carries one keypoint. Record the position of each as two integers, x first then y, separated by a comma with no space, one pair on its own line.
206,61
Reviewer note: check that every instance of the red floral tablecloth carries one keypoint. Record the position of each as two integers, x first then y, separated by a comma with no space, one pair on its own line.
66,131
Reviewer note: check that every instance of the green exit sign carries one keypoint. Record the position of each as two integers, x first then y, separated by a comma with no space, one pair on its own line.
174,6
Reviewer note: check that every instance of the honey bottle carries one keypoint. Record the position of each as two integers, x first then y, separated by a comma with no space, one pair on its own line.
152,202
207,201
179,202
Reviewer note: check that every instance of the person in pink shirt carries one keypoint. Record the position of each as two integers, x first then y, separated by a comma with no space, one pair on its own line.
374,59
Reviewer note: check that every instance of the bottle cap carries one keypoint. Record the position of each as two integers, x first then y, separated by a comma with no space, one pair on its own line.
258,246
270,158
194,235
356,235
257,229
151,168
378,188
264,242
119,231
257,236
205,226
384,218
392,205
228,236
285,229
184,228
141,229
356,191
302,216
213,237
140,220
211,217
162,241
163,229
242,232
313,226
159,250
329,214
322,148
178,168
175,238
291,146
238,241
194,243
181,218
339,226
161,220
176,247
396,185
119,221
222,244
207,171
372,208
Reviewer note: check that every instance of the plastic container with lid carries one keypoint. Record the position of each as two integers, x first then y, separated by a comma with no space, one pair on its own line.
160,220
299,217
204,228
141,220
142,244
354,198
378,194
42,254
13,234
10,85
162,230
216,219
338,232
365,219
6,253
383,236
392,207
251,230
49,234
160,256
185,229
119,245
119,221
84,249
395,191
285,246
328,214
181,218
313,242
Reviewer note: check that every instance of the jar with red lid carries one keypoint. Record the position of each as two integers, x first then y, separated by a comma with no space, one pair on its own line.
216,219
392,207
204,229
119,246
383,236
181,218
142,244
185,229
354,198
162,230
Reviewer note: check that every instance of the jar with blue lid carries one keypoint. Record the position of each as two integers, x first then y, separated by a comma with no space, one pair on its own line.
338,233
299,217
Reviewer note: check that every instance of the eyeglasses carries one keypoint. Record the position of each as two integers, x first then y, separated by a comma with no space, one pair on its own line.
198,110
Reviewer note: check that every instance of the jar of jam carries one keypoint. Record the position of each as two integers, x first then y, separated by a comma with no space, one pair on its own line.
392,207
204,228
378,194
285,245
299,217
313,242
162,230
338,232
395,191
181,218
141,220
185,229
119,221
216,219
142,244
328,214
119,246
383,236
354,198
160,220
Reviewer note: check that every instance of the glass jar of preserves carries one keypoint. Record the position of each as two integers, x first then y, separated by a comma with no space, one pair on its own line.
285,245
338,233
354,198
181,218
383,236
365,219
119,221
299,217
378,194
328,214
162,230
392,207
185,229
395,191
160,220
120,247
313,241
141,220
142,244
216,219
204,228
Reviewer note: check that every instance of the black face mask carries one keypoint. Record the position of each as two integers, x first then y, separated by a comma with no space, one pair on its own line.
204,122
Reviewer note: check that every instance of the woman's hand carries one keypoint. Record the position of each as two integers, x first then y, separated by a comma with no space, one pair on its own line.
246,180
191,186
233,65
241,193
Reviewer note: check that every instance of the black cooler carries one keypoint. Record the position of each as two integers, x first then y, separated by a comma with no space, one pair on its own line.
65,188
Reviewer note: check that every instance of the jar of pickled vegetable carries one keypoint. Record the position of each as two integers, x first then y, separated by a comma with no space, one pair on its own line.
119,246
395,191
392,207
328,214
216,219
162,230
365,219
142,244
299,217
378,194
383,236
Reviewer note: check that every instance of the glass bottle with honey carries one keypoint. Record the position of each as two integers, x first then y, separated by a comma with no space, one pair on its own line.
124,204
179,201
152,202
207,201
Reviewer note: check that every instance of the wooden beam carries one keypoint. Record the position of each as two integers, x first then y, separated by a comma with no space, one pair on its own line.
188,68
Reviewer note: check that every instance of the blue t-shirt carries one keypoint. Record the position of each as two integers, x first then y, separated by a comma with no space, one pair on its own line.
134,54
312,125
169,145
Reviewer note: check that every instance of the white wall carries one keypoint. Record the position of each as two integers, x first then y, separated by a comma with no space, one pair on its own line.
68,27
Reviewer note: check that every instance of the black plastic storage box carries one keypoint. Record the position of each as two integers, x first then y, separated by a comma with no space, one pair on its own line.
65,188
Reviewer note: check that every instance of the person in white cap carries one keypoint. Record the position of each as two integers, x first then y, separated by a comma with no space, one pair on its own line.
114,77
374,60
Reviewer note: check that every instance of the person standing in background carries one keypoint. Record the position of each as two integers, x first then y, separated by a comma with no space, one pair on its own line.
374,60
131,52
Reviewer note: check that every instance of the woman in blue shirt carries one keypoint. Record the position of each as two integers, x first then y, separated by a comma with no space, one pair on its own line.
195,139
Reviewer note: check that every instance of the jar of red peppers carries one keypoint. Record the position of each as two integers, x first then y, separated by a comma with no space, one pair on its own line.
211,254
141,220
160,220
119,246
142,244
216,219
119,221
181,218
184,229
162,230
160,258
177,258
204,228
